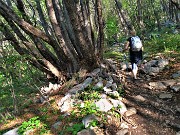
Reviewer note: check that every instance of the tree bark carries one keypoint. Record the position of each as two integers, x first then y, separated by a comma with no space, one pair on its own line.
84,44
60,42
100,43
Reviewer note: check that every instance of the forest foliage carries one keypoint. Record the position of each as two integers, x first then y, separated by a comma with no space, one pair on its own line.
23,71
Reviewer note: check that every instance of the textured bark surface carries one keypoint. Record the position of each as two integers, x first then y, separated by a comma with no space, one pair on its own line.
60,42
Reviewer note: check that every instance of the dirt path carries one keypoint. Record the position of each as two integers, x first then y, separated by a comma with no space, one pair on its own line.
154,116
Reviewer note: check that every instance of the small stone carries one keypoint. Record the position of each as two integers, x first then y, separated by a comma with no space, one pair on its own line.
88,119
119,103
99,84
107,89
176,88
165,96
44,98
178,133
162,63
114,86
104,105
176,75
169,82
123,125
167,121
140,98
86,132
12,132
56,125
122,132
157,85
103,96
96,71
130,111
28,132
154,71
114,94
178,109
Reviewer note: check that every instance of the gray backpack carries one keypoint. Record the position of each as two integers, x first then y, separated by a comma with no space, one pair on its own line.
136,43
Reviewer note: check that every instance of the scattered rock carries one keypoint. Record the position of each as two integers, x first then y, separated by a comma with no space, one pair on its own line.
86,132
153,67
157,85
12,132
122,132
114,86
178,81
130,111
103,96
169,82
165,96
81,86
117,103
107,89
123,126
140,98
67,97
56,125
29,132
104,105
148,78
113,94
67,105
145,85
88,119
152,63
175,125
178,109
110,94
178,133
99,84
109,84
162,63
175,88
95,72
154,71
52,88
176,75
125,65
43,99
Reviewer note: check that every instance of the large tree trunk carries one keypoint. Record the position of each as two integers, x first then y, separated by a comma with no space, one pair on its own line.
60,42
100,43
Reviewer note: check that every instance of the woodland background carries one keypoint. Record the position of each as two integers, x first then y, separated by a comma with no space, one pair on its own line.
53,40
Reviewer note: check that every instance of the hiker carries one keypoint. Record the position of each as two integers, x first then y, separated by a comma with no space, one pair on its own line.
135,51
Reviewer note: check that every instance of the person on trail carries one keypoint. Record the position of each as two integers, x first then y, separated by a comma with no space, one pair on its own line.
135,51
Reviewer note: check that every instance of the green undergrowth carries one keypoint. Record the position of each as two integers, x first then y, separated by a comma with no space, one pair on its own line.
34,124
166,45
19,81
87,107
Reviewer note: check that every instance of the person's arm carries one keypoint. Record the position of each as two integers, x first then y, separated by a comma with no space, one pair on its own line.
142,46
126,46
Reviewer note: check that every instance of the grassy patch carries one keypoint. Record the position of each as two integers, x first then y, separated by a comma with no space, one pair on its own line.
167,44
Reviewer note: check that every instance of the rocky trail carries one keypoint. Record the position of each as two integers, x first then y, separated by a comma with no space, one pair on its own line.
157,100
150,105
